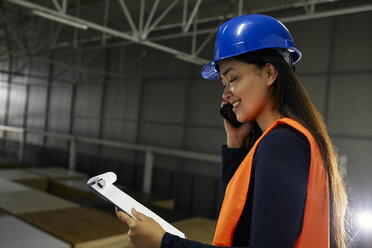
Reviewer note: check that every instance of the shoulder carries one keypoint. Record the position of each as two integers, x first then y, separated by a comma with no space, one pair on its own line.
285,139
283,149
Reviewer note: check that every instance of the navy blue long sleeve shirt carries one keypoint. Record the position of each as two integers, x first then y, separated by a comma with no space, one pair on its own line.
273,213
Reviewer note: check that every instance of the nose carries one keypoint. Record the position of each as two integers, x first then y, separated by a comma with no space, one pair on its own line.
226,94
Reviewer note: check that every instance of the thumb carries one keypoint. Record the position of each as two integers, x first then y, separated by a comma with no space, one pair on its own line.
138,215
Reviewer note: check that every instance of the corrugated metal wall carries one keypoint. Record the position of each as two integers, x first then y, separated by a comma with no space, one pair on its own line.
152,98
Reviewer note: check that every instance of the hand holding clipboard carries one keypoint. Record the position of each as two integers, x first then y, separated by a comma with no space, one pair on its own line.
103,185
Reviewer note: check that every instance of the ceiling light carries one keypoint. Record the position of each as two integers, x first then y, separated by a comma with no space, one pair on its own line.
365,220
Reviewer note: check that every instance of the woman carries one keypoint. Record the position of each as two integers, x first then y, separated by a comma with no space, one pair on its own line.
279,168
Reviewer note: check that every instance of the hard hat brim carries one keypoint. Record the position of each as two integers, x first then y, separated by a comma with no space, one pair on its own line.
210,71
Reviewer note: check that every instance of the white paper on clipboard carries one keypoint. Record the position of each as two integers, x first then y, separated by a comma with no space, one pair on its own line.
103,185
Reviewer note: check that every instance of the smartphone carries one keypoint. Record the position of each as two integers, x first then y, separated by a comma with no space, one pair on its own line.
228,114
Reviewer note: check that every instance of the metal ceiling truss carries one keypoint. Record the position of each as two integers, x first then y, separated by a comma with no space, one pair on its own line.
137,35
140,33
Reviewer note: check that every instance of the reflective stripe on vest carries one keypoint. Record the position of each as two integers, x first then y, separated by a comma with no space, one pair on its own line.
315,227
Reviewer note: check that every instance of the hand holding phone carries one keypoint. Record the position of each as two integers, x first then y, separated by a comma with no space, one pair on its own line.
228,114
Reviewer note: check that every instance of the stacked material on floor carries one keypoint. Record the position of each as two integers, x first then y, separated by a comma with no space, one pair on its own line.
55,173
198,229
81,227
9,186
77,191
2,213
27,201
23,176
167,204
15,233
70,188
12,164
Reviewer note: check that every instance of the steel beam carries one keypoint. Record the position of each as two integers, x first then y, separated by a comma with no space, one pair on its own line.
141,17
113,32
192,16
329,13
240,7
160,18
128,16
105,18
56,4
149,19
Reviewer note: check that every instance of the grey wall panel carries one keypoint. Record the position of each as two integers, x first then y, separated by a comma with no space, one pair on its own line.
3,76
127,60
352,49
88,100
39,67
95,59
36,112
65,61
121,131
204,103
60,99
58,123
184,187
59,114
34,139
312,38
359,165
121,100
162,181
36,102
316,88
205,139
118,130
211,169
20,68
86,127
204,196
87,149
168,163
164,101
3,96
16,105
351,105
119,154
57,143
159,64
162,135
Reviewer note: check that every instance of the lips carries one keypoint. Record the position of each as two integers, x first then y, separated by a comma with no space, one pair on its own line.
235,104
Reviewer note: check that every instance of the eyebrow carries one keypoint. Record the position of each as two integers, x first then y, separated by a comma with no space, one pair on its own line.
227,71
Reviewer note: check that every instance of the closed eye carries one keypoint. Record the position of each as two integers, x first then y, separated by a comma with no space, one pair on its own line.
232,80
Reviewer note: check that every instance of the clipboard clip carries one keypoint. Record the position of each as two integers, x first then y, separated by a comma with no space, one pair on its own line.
100,182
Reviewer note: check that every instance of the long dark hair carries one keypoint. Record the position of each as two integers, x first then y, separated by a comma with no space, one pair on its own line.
291,100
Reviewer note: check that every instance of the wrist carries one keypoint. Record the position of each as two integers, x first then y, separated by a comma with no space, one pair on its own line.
234,143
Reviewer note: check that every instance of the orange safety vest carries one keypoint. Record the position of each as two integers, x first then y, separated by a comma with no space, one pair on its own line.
315,227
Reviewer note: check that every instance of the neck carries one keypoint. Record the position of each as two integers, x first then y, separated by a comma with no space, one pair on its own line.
267,117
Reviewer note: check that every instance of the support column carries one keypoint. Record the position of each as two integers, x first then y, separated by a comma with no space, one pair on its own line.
147,175
329,69
72,155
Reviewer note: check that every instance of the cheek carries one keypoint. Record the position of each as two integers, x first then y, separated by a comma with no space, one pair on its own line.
254,101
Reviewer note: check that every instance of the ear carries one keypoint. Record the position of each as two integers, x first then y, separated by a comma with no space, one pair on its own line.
271,73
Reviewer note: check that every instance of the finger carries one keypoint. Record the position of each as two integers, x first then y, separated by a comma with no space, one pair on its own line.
125,218
138,215
223,103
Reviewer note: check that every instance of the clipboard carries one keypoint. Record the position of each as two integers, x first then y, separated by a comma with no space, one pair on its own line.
103,186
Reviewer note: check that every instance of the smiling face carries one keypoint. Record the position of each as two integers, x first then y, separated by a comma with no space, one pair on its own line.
247,88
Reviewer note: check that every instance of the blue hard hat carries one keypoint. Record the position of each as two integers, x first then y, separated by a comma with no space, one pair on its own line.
249,33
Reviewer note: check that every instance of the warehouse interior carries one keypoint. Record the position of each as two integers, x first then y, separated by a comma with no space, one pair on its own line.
90,86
